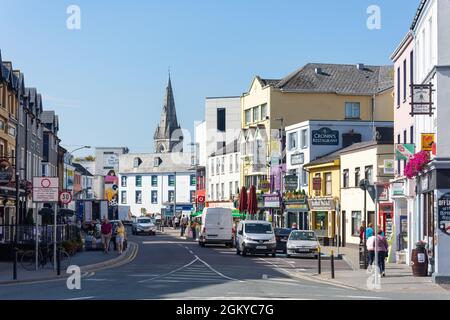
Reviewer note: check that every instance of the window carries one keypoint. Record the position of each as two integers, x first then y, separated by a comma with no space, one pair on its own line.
2,124
230,191
356,223
346,179
357,177
192,196
217,192
304,177
124,197
230,159
171,196
369,174
404,80
264,111
212,167
154,197
138,197
156,162
124,181
222,193
236,165
11,130
193,180
221,120
138,181
398,87
399,162
405,139
328,184
248,116
293,138
218,166
411,67
304,139
171,180
212,192
136,162
223,165
352,110
236,186
154,181
256,114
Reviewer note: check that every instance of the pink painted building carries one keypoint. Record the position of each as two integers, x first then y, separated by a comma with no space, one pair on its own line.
402,189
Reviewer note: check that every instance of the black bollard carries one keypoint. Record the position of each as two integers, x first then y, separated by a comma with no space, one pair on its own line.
15,264
332,264
319,261
58,261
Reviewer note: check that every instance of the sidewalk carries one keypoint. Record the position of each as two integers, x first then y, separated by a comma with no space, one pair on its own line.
87,260
398,278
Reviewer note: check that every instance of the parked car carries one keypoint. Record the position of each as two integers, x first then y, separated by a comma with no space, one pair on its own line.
255,237
143,225
282,236
303,243
216,227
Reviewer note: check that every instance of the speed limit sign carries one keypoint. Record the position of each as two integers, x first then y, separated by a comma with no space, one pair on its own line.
65,197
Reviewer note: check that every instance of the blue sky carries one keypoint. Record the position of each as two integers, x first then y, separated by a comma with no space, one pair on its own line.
107,80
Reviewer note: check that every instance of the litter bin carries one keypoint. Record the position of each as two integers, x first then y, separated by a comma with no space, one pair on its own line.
419,262
363,257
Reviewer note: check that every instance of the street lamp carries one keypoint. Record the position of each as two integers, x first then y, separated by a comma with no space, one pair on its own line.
281,165
84,147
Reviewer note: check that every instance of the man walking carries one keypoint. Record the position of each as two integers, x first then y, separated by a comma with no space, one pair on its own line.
106,231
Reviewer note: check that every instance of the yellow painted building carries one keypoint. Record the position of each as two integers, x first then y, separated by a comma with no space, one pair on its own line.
324,196
314,92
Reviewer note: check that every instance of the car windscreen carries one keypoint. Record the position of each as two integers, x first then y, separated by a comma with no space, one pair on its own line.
303,236
144,221
258,228
282,232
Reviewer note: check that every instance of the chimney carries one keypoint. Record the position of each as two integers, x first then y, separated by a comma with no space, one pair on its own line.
360,66
318,71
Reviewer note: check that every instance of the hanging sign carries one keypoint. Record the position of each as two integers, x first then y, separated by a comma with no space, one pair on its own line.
422,99
428,141
444,213
404,151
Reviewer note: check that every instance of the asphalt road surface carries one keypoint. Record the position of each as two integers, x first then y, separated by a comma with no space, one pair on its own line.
167,267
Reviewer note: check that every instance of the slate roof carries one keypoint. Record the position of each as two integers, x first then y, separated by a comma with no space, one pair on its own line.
232,147
418,13
339,78
269,82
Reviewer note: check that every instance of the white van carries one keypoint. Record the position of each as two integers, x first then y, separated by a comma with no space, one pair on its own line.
255,237
217,227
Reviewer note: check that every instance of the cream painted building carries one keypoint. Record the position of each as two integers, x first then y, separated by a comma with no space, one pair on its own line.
372,161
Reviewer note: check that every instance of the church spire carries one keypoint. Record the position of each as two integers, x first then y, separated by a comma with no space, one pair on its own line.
168,134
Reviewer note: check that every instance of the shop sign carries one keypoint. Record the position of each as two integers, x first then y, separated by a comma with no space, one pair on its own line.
404,151
317,184
389,167
297,207
325,137
201,199
297,158
264,186
428,141
384,195
422,99
444,213
398,189
291,182
271,201
6,172
322,204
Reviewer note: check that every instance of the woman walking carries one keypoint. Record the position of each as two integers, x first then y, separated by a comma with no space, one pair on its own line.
120,236
382,250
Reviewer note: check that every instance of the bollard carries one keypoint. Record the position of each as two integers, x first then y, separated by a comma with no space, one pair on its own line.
319,261
58,261
332,264
15,265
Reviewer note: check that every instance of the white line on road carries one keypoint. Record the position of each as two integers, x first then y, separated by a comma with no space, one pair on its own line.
81,298
220,274
171,272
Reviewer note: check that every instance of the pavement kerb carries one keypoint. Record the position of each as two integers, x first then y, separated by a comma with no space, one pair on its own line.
131,253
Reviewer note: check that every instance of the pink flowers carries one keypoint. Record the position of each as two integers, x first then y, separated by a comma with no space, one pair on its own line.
416,164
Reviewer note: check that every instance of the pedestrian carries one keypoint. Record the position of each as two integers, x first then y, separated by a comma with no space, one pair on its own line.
120,236
382,250
106,231
369,231
362,229
294,226
176,222
370,244
194,229
183,225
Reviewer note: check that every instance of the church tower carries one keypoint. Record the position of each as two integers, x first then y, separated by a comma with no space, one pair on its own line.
168,136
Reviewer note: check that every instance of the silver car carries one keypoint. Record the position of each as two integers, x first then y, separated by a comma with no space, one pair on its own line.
303,243
143,225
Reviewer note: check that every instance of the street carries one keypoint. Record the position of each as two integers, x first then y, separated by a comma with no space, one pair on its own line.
168,267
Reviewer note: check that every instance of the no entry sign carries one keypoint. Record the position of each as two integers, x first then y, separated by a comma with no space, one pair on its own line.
45,189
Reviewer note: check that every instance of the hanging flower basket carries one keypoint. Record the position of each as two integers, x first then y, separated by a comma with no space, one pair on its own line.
417,164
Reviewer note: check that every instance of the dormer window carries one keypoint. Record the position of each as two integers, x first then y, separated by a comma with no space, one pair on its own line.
156,162
137,162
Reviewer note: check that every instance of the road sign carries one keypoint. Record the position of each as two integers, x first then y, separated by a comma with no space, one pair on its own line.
65,197
45,189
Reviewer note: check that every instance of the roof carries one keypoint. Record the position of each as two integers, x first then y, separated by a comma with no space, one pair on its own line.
48,117
418,13
339,78
336,155
269,82
82,170
167,163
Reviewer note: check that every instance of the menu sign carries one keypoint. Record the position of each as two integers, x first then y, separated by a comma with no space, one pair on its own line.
444,213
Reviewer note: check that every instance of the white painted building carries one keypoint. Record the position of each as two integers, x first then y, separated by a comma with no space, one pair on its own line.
223,174
155,183
431,34
309,140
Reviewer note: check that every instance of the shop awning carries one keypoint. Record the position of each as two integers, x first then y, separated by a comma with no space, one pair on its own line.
236,214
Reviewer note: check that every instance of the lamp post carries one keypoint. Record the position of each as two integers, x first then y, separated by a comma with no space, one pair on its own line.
281,166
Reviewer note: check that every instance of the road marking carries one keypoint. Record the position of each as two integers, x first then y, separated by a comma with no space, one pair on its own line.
214,270
171,272
81,298
190,251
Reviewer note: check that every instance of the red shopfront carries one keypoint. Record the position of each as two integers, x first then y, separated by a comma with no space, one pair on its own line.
386,217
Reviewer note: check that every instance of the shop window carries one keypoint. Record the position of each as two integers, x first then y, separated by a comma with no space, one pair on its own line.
356,223
346,179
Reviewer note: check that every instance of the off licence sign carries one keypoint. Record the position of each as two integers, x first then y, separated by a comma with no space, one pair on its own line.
444,213
45,189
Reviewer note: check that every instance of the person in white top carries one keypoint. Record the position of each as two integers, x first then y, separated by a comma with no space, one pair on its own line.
370,244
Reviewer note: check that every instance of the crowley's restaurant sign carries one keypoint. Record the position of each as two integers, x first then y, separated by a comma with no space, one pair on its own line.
325,137
322,204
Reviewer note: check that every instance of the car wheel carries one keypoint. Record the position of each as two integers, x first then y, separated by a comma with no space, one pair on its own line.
274,255
244,252
288,256
238,252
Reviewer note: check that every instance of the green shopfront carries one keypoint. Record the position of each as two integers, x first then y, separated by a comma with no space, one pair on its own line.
296,210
